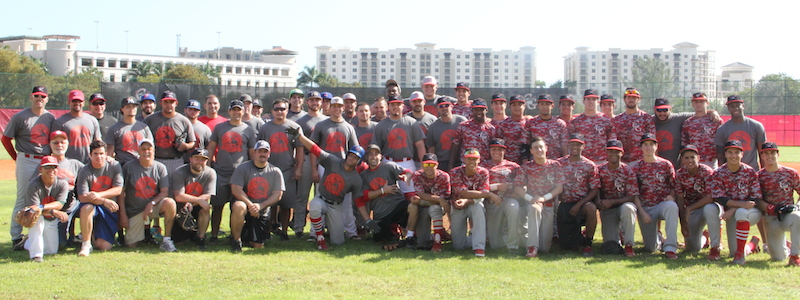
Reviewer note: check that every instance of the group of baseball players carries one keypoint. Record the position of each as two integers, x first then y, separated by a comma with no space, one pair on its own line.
401,170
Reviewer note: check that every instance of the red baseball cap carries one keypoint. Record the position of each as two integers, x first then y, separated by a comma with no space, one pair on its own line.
75,95
58,133
48,161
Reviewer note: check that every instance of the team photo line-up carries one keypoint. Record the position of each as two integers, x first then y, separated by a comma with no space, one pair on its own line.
398,171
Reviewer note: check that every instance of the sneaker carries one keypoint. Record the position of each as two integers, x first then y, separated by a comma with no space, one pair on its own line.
708,239
480,253
284,236
37,259
19,244
446,236
437,247
410,243
201,243
321,245
671,255
355,238
587,251
532,252
311,238
794,261
753,245
713,254
236,246
168,246
361,232
739,260
298,234
213,240
629,251
86,248
221,233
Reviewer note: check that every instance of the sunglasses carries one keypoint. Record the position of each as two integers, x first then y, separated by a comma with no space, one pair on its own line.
49,167
278,108
632,92
662,109
428,165
98,103
444,105
39,96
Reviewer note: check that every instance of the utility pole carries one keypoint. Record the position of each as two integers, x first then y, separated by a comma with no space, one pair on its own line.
179,44
218,49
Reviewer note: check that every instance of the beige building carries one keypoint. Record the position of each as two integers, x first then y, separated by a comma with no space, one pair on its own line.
735,77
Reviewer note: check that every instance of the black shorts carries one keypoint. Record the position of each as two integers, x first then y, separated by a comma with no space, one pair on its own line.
255,229
178,234
223,196
569,228
398,215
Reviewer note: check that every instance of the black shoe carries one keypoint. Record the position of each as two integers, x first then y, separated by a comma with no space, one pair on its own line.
201,243
410,243
236,246
299,234
213,240
284,236
19,244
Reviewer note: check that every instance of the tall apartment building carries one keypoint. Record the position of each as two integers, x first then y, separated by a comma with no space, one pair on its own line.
610,71
273,68
481,67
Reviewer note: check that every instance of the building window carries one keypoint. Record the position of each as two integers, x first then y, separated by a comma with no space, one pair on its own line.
124,78
227,56
344,63
333,70
99,63
111,78
593,64
333,55
333,63
593,71
355,77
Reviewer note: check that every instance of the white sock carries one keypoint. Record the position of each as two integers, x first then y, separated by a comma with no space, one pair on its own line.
166,238
410,233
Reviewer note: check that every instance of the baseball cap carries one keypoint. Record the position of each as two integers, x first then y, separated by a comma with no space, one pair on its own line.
314,95
546,98
75,95
734,144
257,102
689,147
497,143
566,98
576,137
148,96
607,98
337,100
128,100
394,99
39,90
430,158
295,91
358,150
326,95
429,80
462,85
699,96
193,104
516,98
590,93
142,141
373,147
168,95
261,144
661,103
648,137
97,96
499,97
246,98
58,133
734,99
349,96
236,103
200,152
768,146
614,144
391,82
416,95
632,92
478,103
48,160
472,152
444,99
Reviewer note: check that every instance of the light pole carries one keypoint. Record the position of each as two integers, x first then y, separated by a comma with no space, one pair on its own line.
126,41
218,39
179,44
97,35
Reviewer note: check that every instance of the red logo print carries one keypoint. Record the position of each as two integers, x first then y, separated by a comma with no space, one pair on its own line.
377,183
743,137
146,188
165,137
257,188
231,142
664,140
432,110
40,134
130,141
398,138
335,142
194,189
447,139
101,184
48,199
79,136
365,139
67,175
279,142
334,183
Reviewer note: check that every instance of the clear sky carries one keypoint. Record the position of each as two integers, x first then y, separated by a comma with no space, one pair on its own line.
758,33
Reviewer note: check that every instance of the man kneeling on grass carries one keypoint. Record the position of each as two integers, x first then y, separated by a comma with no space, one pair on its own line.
48,194
97,183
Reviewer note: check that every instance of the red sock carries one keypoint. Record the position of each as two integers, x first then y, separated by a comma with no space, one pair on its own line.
742,231
317,224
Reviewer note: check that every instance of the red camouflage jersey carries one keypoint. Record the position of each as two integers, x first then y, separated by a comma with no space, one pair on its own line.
504,172
596,132
740,186
555,133
615,184
439,185
540,179
513,132
693,187
464,110
629,129
700,132
459,181
778,186
580,178
656,180
472,135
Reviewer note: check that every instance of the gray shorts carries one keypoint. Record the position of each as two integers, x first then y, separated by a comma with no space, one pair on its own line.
223,196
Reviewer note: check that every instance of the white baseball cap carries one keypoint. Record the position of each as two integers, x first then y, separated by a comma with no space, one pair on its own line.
349,96
337,100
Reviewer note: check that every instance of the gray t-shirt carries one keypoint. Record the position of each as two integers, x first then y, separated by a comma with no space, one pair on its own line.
441,134
336,182
294,116
233,143
334,138
166,130
91,179
426,120
397,138
142,184
258,183
386,172
282,147
105,123
81,130
202,134
185,181
38,194
68,171
30,132
125,138
255,122
750,133
669,136
364,134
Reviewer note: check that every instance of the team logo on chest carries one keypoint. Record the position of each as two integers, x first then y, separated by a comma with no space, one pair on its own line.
785,186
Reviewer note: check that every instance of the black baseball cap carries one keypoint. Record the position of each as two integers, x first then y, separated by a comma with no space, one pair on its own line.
689,147
444,99
546,98
576,137
257,102
734,144
314,94
566,98
200,152
516,98
236,103
648,137
614,144
96,96
128,100
699,96
607,98
430,158
769,146
661,103
462,85
590,93
478,103
497,143
39,90
168,95
499,97
734,99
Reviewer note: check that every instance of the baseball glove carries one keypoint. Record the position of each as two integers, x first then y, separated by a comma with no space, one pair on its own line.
186,220
28,216
180,139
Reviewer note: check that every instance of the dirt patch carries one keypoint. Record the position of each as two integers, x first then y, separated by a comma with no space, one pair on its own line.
8,169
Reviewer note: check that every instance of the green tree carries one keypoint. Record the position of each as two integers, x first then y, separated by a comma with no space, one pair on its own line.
310,77
773,94
332,81
211,72
18,74
142,70
540,84
557,85
186,74
653,78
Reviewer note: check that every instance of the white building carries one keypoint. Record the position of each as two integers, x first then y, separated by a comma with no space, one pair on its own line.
735,77
480,67
275,68
609,71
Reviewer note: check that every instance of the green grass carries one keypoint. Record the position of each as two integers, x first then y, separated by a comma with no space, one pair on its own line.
790,154
360,270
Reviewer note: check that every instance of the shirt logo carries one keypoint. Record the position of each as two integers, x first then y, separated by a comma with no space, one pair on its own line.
165,136
79,136
145,188
257,188
40,135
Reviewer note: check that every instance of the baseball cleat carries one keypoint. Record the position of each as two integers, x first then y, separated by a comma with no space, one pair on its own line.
629,251
752,246
437,247
168,246
86,248
587,251
480,253
321,245
236,246
713,254
671,255
739,260
532,252
794,261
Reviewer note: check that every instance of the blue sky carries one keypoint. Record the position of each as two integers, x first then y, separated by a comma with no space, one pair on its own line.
760,34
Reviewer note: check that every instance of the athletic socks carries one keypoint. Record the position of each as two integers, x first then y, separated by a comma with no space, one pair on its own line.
317,225
742,231
409,233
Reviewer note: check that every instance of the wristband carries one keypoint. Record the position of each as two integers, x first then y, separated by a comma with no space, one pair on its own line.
153,203
493,187
528,197
382,192
548,197
41,207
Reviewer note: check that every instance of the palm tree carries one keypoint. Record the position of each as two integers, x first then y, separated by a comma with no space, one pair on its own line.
212,73
310,77
143,69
